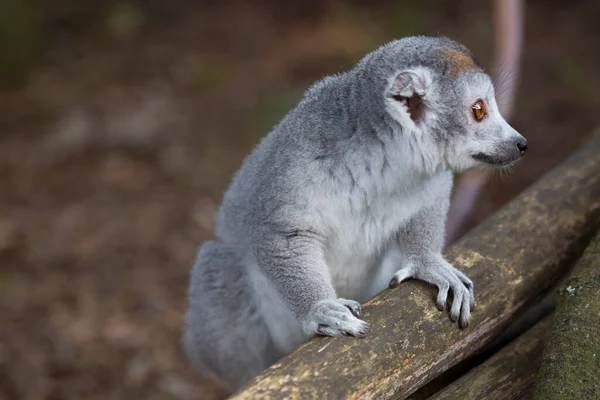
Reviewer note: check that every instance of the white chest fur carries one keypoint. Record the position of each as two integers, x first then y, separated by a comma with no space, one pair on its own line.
363,231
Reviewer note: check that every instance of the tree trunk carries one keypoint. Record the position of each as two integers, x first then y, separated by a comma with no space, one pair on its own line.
514,257
571,360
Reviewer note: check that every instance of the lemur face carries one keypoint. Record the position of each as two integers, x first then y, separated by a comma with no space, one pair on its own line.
457,110
473,130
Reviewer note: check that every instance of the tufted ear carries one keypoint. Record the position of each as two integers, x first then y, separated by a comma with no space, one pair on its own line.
409,87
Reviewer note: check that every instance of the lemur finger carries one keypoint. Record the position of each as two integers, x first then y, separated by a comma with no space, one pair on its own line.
469,285
353,306
329,331
471,299
335,318
442,295
470,294
458,295
355,311
326,330
362,331
465,315
358,330
399,276
464,279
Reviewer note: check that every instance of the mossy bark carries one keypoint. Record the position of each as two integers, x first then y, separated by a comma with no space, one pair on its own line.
513,257
571,361
509,374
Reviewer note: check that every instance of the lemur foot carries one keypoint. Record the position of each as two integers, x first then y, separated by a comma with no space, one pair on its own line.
444,276
338,317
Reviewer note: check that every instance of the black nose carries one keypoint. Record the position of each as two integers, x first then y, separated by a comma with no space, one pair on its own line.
522,145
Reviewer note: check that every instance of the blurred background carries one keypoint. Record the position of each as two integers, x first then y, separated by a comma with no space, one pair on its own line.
121,122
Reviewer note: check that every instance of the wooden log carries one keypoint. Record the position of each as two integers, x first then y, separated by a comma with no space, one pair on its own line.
571,360
509,374
514,257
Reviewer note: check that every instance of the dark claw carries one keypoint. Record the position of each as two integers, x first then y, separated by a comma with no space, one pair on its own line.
354,311
344,333
394,283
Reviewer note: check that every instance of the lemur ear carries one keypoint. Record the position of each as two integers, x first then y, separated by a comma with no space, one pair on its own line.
408,88
409,82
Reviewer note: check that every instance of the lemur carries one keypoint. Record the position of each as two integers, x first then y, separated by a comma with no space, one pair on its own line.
345,196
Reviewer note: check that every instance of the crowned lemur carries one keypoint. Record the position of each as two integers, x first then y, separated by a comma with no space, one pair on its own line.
347,195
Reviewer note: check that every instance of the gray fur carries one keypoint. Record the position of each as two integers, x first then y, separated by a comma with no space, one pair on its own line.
344,194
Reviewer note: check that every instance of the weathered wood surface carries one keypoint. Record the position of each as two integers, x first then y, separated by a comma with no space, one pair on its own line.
513,257
508,375
571,360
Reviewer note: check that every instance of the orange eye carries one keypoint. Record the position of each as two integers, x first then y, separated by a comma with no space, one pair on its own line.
479,110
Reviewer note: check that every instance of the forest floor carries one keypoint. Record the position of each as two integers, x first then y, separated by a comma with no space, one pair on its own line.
116,148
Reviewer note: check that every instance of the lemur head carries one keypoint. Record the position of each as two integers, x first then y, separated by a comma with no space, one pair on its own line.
436,90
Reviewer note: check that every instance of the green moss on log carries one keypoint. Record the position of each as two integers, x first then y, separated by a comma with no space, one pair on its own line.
571,362
513,257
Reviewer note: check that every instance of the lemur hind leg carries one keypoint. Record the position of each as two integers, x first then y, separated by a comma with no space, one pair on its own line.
225,333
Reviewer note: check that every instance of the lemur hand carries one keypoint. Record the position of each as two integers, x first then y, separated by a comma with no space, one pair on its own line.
438,272
338,317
